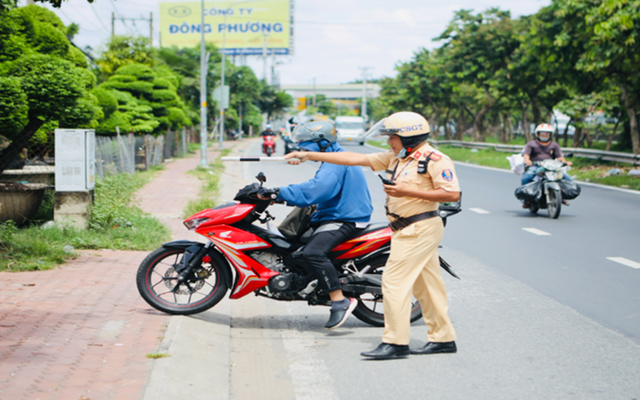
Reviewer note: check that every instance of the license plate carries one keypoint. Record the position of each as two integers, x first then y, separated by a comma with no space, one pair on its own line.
349,138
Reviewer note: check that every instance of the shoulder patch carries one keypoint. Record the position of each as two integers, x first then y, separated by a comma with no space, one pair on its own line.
447,175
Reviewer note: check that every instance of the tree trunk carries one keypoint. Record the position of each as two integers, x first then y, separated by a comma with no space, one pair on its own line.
447,131
16,146
535,108
460,125
577,136
633,120
502,131
613,135
478,121
565,134
525,124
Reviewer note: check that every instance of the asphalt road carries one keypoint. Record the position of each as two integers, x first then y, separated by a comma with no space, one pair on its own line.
537,316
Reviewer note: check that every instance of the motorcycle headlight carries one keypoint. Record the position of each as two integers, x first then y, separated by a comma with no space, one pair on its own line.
194,223
552,175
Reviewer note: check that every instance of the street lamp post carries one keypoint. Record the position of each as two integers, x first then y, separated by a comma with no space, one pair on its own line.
224,31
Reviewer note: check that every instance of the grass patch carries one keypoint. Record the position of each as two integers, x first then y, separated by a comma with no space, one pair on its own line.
116,223
155,356
486,157
583,169
380,145
210,177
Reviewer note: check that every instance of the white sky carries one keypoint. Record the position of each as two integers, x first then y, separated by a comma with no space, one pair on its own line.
332,37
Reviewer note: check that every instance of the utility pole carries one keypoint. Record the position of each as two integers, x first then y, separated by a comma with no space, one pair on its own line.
222,91
203,92
314,92
264,58
363,112
151,29
113,23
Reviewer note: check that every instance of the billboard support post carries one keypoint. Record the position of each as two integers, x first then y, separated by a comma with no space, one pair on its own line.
203,94
222,81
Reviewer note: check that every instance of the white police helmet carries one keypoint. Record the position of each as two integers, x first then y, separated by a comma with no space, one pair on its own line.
412,128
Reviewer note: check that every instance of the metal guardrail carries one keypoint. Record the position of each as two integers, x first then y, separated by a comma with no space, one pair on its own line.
615,156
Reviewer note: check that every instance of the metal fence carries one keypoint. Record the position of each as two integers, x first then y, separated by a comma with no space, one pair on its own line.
29,181
615,156
128,153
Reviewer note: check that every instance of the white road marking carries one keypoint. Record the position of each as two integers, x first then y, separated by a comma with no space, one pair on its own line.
536,231
479,211
625,261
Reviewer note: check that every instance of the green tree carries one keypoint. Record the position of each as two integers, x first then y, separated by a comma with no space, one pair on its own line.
123,50
478,50
54,83
614,49
272,102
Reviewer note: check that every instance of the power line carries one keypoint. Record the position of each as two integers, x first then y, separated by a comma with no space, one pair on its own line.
98,16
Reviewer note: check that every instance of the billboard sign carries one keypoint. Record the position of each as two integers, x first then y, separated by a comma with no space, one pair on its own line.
246,25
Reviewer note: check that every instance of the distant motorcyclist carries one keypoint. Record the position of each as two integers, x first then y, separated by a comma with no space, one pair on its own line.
267,131
542,148
343,208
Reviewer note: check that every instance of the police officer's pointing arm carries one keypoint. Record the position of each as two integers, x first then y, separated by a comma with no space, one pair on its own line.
340,158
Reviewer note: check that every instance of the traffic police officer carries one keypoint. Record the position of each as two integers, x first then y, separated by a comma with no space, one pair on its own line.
421,178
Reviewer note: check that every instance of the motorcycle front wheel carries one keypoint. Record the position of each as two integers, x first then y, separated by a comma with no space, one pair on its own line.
370,308
269,151
555,203
157,281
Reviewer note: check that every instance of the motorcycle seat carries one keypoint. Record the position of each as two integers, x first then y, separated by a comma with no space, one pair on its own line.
376,226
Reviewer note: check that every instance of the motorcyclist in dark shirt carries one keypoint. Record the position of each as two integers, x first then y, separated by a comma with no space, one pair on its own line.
267,131
543,148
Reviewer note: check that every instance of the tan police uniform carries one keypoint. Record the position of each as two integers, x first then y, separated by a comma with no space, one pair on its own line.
413,265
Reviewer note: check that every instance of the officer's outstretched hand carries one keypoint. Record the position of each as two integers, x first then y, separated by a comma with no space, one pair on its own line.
398,190
297,157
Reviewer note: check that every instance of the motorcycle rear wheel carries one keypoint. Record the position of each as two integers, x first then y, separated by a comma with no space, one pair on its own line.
157,278
370,309
555,203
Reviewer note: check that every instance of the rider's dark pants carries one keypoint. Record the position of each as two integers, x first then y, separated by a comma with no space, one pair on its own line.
326,237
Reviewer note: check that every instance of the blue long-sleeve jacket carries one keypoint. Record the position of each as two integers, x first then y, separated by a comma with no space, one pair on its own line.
340,192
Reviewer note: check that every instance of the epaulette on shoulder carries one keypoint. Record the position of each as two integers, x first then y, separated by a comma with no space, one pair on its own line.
435,155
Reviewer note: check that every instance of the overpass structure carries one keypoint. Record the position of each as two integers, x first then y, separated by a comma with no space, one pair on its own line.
347,91
345,95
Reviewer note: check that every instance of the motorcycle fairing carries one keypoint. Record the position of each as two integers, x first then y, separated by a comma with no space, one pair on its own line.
223,215
364,244
232,242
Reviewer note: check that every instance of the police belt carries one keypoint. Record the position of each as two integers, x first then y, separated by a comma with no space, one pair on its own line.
401,222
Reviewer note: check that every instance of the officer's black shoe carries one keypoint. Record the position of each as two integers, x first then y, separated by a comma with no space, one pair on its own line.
339,315
435,347
387,351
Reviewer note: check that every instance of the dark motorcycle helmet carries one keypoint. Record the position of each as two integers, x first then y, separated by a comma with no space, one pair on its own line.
321,132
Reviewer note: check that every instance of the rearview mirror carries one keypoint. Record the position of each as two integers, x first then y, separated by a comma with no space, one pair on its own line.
568,155
261,177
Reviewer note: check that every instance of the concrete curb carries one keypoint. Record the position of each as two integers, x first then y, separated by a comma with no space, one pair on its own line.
197,366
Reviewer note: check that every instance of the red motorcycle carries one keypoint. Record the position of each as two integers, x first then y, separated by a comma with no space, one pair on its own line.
185,277
268,145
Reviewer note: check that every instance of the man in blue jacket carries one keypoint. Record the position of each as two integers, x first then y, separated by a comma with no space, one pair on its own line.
344,208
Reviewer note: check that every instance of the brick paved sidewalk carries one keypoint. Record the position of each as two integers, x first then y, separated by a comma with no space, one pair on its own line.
82,331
